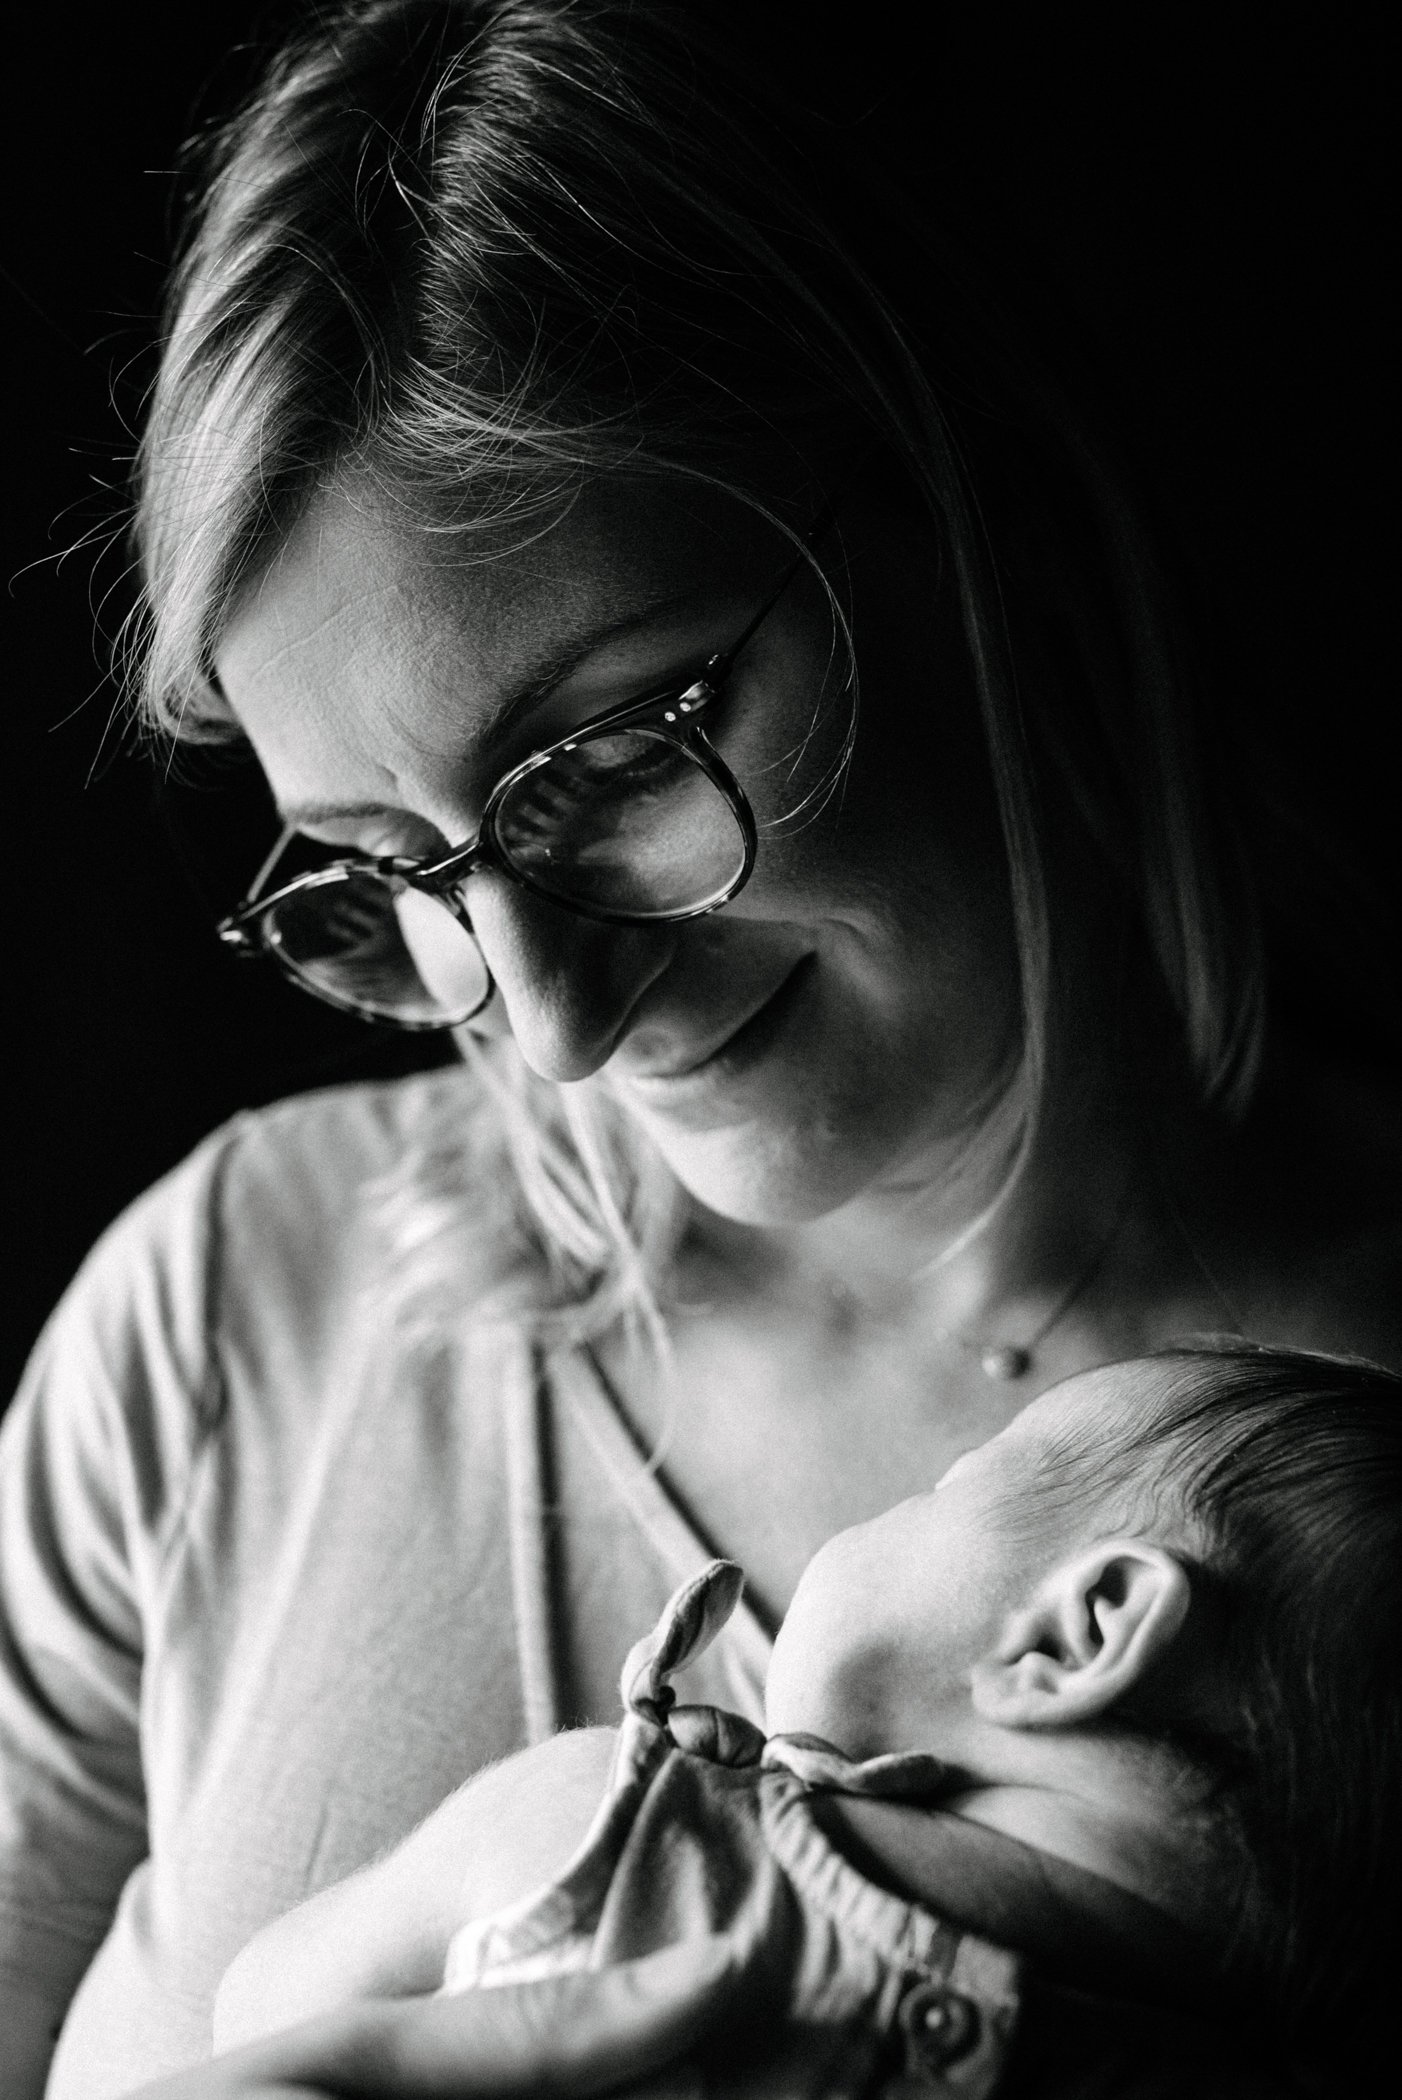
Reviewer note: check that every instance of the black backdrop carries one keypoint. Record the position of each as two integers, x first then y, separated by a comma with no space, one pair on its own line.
1204,191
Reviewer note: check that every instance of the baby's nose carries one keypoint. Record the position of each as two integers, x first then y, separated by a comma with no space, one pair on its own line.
569,985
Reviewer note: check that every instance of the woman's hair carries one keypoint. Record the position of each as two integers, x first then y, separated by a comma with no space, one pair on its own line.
486,249
1288,1469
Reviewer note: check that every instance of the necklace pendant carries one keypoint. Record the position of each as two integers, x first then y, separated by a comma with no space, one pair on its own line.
1005,1363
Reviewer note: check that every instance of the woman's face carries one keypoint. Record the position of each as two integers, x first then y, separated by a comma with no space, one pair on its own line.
839,1027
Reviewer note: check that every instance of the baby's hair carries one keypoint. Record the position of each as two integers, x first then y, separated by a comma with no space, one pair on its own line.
1287,1467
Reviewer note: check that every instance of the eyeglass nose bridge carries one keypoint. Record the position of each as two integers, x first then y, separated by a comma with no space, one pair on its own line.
444,878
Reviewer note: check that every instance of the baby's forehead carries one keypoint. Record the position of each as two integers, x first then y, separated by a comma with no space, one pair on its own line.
1090,1403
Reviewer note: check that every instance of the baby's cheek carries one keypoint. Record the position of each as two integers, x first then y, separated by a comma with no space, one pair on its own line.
832,1660
841,1694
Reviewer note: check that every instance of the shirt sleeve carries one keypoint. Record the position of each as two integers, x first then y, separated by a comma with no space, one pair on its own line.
96,1458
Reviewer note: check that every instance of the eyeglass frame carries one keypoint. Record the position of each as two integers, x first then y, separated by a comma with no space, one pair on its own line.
245,929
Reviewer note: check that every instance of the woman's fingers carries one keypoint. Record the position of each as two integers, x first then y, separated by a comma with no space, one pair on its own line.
568,2035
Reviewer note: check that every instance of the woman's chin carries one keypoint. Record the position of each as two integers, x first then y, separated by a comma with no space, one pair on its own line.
751,1186
774,1169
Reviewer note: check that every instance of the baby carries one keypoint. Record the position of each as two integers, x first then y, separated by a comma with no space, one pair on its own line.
1084,1762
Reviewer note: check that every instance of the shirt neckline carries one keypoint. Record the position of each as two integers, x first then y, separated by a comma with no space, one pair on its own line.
660,1516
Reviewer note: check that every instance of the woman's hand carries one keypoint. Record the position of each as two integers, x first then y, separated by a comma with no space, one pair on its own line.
581,2034
383,1933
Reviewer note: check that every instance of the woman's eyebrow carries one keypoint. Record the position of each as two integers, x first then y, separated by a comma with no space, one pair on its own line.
535,681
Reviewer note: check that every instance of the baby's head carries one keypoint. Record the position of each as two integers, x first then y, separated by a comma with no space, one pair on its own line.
1175,1582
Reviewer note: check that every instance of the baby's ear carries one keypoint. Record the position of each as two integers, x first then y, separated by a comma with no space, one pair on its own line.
1094,1629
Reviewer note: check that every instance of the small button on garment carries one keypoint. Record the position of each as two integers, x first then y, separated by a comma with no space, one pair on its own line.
940,2027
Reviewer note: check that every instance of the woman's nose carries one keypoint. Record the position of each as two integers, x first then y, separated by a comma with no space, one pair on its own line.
569,984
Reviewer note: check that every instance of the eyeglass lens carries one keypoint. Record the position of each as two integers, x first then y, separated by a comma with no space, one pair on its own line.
628,822
624,823
366,942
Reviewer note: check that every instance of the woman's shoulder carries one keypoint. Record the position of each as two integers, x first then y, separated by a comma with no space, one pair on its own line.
1326,1149
1336,1127
268,1224
244,1283
311,1155
352,1129
325,1150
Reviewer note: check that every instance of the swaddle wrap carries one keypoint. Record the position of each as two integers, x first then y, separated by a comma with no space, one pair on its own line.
848,1991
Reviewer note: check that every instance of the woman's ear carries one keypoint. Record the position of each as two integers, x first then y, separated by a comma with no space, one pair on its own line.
1096,1627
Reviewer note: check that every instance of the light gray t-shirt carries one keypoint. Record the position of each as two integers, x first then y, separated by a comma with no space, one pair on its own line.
273,1581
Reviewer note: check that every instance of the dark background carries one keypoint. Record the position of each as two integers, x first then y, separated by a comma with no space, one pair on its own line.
1205,196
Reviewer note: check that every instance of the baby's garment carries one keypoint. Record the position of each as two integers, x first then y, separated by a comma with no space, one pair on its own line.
707,1828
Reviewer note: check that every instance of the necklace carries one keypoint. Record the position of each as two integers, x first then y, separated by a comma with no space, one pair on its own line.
1005,1361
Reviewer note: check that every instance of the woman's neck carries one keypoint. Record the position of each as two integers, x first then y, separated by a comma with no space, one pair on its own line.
994,1245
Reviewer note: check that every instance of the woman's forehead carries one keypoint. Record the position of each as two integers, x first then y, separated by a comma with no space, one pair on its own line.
359,576
377,660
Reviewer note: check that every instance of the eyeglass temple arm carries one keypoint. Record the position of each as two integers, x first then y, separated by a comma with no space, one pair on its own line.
816,533
259,883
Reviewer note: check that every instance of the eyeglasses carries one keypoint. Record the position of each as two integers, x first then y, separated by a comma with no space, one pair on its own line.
634,819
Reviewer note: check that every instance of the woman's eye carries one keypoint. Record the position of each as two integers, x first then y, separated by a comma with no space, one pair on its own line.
625,760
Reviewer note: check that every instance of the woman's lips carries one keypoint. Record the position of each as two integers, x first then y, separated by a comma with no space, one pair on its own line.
742,1047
